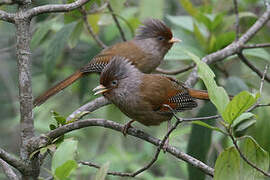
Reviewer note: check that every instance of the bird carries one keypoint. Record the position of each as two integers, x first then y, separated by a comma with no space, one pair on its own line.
146,50
146,98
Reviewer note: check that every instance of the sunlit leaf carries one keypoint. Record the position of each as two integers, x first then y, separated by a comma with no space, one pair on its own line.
65,169
227,165
65,152
239,104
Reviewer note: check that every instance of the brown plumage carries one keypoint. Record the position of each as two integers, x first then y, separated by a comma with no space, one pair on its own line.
143,97
145,51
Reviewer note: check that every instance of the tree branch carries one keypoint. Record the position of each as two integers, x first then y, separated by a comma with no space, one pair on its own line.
90,29
237,30
8,17
131,131
262,45
11,160
117,22
252,67
8,170
54,8
91,106
233,48
244,157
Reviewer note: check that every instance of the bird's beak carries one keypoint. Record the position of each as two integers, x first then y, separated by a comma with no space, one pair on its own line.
100,89
174,40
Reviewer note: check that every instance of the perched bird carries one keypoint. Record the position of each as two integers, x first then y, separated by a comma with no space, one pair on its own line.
145,97
145,51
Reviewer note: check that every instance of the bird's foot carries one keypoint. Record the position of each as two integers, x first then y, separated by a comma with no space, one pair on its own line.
126,127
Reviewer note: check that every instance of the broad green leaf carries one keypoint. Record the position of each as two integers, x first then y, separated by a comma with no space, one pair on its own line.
40,33
187,5
239,104
102,172
65,169
242,117
75,35
148,8
202,40
186,22
258,52
254,153
117,5
208,126
240,129
217,94
227,165
93,20
59,119
217,21
65,152
56,46
224,39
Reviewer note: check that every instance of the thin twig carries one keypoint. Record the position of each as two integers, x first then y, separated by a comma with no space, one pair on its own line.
146,166
90,29
237,30
262,45
252,67
263,77
8,170
244,157
175,72
117,22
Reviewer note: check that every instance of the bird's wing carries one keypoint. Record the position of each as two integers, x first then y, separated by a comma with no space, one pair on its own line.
120,49
167,91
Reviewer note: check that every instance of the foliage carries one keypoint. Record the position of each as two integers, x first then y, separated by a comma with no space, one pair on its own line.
61,44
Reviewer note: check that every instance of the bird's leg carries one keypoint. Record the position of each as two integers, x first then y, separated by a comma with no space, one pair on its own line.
166,144
126,127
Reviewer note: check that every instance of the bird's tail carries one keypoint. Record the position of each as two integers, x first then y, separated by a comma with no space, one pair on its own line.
198,94
201,94
58,87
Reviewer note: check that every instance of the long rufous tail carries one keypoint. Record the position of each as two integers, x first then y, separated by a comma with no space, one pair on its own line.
198,94
58,87
201,94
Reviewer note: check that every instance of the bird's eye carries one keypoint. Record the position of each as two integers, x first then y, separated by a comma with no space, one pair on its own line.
114,83
160,38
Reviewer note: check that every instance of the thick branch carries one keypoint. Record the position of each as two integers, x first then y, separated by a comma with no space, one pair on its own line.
11,160
91,106
131,131
252,67
233,48
8,170
54,8
9,17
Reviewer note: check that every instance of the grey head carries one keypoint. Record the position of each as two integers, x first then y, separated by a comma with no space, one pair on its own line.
154,35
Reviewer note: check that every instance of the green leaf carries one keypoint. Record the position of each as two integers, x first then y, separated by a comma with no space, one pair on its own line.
217,21
59,119
239,104
228,165
242,117
199,36
254,153
40,33
56,46
65,169
75,35
186,22
187,5
208,126
52,127
242,127
224,39
102,172
218,95
149,9
258,52
65,152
